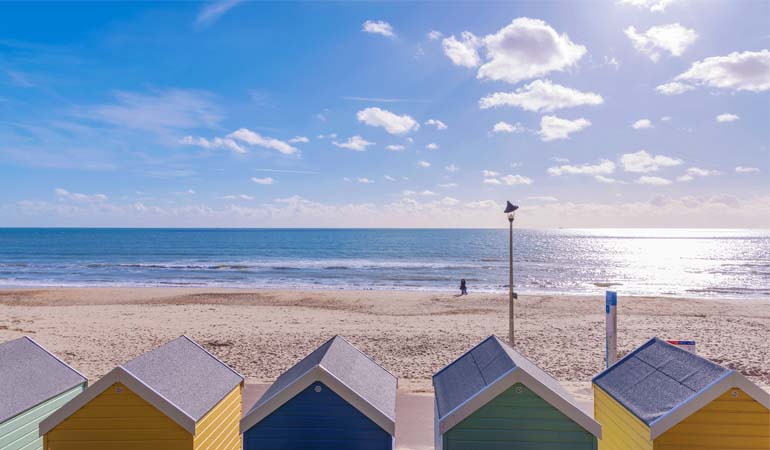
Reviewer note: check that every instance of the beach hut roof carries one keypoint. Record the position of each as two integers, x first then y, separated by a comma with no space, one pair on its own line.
350,373
662,384
179,378
488,370
30,375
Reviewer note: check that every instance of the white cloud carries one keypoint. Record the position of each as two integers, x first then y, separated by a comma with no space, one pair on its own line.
213,143
652,5
363,180
643,162
665,118
672,38
654,181
494,181
64,194
395,147
541,96
447,185
673,88
327,136
160,111
741,169
238,197
392,123
452,168
641,124
299,140
490,173
435,35
425,193
436,123
378,27
253,138
511,180
553,128
698,172
432,146
356,143
746,71
735,211
527,48
727,117
389,178
263,181
463,52
605,180
423,164
449,201
505,127
603,167
213,11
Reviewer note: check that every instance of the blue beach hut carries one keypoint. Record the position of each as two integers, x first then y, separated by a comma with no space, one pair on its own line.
337,398
33,384
494,398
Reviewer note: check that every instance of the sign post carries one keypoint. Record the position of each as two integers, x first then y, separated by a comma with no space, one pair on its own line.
611,335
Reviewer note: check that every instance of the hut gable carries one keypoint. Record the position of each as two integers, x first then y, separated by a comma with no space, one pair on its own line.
30,375
487,371
669,394
186,375
180,378
656,378
347,371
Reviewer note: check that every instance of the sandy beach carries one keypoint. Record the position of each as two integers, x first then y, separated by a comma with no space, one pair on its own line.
413,334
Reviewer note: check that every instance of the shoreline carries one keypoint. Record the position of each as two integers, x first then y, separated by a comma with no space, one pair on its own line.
714,295
261,332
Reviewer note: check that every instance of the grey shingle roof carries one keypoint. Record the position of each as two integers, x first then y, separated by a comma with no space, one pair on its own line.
30,375
186,375
356,370
657,377
479,368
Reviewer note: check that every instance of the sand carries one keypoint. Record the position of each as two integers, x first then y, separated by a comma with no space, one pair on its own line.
413,334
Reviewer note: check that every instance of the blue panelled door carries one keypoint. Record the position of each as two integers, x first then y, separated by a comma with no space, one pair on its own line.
317,419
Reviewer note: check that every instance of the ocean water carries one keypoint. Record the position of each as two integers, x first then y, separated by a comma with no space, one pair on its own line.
673,262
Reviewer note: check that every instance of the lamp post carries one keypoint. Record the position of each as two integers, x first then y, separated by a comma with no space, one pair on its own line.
510,210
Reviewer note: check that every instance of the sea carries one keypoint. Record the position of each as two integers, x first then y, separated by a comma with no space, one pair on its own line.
669,262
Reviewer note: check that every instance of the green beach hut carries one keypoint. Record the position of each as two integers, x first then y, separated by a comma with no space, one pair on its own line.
33,384
492,398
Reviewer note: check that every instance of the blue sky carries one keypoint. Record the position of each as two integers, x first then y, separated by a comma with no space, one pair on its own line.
620,113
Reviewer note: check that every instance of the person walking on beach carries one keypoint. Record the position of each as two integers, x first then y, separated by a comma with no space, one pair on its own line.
463,288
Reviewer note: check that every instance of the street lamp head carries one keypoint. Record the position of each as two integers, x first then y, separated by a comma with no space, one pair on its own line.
510,209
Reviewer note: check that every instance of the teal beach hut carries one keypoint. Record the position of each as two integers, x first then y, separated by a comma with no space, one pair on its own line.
337,398
33,384
493,398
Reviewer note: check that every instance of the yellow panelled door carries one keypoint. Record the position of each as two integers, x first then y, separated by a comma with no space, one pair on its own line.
118,419
733,421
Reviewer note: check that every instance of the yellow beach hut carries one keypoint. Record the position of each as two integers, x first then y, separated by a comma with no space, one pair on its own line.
176,397
660,397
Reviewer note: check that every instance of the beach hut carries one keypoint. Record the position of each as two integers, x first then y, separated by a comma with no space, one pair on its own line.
492,397
663,397
176,397
337,398
33,384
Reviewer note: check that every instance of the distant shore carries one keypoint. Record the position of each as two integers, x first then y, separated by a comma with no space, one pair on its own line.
413,334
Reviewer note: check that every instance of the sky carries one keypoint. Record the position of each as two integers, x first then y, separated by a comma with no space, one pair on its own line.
622,113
